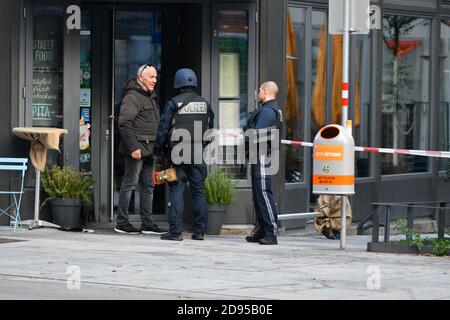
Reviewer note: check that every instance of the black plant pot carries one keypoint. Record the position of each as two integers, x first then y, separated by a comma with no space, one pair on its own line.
216,214
67,213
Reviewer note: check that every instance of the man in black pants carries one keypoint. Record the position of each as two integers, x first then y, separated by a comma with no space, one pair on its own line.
267,117
138,123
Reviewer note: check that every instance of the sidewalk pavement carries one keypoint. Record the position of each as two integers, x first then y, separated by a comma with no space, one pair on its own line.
48,263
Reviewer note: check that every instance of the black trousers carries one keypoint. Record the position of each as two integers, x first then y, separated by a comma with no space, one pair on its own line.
263,199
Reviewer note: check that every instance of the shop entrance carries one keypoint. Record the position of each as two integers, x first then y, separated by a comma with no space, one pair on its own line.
115,40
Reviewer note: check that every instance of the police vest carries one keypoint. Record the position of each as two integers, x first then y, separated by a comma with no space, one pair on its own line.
191,110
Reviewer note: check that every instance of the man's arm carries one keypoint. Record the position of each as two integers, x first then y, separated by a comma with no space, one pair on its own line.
128,112
164,127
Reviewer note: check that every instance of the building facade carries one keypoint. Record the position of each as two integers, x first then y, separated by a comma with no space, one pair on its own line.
57,72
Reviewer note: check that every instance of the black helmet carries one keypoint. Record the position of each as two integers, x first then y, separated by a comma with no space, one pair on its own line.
185,77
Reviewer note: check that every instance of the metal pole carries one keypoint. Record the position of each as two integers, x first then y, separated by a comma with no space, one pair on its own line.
36,223
345,96
112,111
345,62
387,224
343,224
37,195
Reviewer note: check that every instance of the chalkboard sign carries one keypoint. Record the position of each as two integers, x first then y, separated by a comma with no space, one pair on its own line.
47,98
47,67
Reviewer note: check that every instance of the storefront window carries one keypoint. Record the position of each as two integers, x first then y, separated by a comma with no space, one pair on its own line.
405,92
295,91
444,110
48,60
233,80
319,35
360,91
361,108
413,3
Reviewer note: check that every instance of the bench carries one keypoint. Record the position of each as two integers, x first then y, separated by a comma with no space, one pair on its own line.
376,223
18,165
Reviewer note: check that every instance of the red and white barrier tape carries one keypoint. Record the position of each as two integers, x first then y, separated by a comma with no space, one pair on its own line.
423,153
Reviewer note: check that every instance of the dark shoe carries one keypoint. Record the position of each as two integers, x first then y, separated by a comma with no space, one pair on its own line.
268,240
198,236
257,233
171,236
152,229
127,229
253,238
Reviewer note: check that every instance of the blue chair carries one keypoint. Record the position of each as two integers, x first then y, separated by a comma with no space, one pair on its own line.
14,164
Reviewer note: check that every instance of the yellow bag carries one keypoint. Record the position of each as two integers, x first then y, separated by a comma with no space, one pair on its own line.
165,176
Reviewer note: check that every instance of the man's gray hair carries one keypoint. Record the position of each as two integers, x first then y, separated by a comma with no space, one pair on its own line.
142,68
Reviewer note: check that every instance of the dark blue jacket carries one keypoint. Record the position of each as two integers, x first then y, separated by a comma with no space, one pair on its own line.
265,117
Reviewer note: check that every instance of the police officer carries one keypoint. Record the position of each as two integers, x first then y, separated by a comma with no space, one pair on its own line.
266,117
190,114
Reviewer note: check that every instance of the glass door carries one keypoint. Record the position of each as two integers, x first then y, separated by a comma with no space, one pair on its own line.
137,40
233,78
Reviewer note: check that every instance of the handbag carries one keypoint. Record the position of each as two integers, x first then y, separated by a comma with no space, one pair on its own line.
164,176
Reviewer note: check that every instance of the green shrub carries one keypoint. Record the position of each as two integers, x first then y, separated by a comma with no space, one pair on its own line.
66,183
413,237
439,246
219,188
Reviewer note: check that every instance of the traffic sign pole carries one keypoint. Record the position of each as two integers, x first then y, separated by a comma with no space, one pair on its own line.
345,63
345,99
346,17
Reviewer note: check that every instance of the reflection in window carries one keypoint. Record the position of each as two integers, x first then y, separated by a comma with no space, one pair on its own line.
361,92
405,92
444,110
233,79
295,91
47,66
319,70
137,42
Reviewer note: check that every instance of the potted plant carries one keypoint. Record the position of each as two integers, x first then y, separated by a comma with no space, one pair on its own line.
219,191
66,189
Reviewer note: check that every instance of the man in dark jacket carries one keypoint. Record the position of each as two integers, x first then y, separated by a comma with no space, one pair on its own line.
266,117
190,113
138,124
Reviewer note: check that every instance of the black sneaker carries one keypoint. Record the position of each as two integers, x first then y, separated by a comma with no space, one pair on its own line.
171,236
256,234
268,240
127,229
253,238
152,229
198,236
